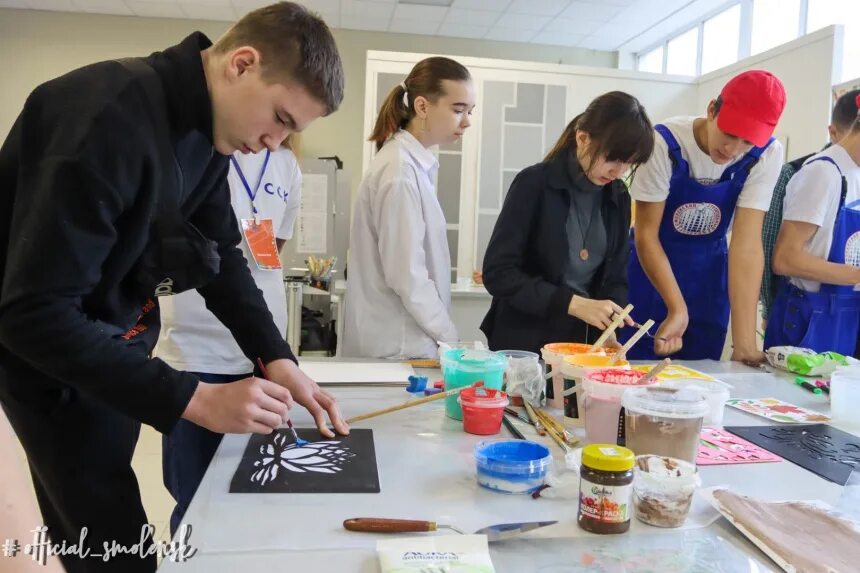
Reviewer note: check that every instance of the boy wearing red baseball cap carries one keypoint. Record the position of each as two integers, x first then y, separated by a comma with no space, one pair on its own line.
706,175
818,248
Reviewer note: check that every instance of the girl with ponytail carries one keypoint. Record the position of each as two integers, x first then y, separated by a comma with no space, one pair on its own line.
556,263
398,299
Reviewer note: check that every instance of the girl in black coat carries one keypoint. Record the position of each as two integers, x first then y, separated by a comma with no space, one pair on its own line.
556,263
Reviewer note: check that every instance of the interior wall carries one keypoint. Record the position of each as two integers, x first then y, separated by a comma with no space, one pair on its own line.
36,46
808,68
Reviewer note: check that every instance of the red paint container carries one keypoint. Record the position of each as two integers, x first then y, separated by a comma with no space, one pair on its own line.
483,409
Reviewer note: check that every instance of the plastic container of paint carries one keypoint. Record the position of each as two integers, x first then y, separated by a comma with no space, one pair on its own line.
553,355
483,410
601,394
523,376
573,370
463,367
715,391
664,421
845,396
512,466
663,490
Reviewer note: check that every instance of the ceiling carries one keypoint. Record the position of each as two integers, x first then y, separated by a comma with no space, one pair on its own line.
628,25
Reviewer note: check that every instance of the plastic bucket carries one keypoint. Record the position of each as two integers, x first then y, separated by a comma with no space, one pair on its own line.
573,369
715,391
462,367
483,410
601,394
553,355
512,466
664,421
523,376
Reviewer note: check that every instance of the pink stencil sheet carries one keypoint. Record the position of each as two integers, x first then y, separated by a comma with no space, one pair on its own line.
716,447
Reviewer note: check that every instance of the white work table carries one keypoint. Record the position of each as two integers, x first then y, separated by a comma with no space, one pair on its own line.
427,471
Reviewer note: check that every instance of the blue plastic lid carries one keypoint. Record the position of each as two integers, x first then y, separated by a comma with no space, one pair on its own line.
513,456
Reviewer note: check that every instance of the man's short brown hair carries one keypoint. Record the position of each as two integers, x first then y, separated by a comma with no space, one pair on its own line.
295,45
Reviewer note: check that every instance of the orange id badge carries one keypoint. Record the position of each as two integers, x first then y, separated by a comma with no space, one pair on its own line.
260,236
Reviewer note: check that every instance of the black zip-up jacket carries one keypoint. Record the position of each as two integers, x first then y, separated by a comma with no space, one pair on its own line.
79,176
528,253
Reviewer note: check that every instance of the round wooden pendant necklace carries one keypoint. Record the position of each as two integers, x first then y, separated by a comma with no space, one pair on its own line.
585,231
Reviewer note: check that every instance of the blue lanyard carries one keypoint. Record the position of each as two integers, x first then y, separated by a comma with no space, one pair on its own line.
251,194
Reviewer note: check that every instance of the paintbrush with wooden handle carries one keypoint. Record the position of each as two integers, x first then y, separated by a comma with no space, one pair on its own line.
409,404
265,373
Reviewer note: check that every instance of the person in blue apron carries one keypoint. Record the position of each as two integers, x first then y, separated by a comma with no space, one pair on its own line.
843,116
818,251
706,175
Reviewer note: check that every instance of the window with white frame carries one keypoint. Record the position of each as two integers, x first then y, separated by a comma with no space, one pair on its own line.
721,39
652,61
774,22
682,53
737,32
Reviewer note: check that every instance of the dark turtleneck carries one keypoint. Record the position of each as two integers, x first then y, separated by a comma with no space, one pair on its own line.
583,220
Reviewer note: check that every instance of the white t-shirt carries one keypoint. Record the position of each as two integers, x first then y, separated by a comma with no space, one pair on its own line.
191,337
812,196
651,183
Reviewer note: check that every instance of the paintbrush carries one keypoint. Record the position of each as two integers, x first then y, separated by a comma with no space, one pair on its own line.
548,428
265,373
554,426
619,318
410,404
643,330
535,420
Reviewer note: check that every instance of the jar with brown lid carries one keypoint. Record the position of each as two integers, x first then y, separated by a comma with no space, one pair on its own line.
605,488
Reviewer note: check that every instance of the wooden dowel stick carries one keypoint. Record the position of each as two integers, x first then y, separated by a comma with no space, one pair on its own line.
423,363
657,369
643,330
619,318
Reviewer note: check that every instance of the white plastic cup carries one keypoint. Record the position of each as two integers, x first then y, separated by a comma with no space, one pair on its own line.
663,490
845,396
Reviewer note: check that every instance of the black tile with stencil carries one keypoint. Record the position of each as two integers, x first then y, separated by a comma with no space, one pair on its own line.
274,464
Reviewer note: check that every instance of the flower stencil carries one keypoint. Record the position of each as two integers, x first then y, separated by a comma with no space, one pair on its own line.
327,457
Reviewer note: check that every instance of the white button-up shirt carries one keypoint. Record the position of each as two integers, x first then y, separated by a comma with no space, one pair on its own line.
398,299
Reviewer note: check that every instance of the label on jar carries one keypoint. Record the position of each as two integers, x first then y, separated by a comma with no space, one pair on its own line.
605,503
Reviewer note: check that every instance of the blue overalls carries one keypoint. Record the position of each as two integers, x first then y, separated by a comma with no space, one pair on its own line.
693,235
826,320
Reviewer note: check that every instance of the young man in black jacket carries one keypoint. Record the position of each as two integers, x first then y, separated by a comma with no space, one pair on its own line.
113,191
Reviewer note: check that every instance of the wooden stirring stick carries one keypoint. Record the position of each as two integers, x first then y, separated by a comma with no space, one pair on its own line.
616,322
657,369
410,404
643,330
